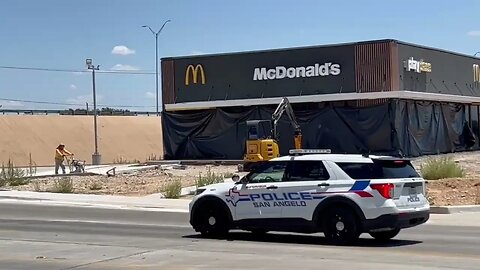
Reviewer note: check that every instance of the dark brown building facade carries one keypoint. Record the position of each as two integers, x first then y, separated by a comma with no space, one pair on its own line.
391,126
373,66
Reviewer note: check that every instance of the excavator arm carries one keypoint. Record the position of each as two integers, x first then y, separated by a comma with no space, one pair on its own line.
285,107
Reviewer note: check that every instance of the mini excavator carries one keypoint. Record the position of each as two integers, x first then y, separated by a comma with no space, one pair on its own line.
262,138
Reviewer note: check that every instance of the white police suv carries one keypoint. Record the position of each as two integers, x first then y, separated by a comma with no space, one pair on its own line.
341,195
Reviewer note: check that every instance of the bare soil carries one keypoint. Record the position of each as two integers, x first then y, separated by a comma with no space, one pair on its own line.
453,191
137,183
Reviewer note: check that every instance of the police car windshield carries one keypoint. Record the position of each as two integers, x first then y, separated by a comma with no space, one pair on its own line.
379,169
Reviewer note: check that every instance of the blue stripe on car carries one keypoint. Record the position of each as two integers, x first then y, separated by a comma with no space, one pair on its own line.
360,185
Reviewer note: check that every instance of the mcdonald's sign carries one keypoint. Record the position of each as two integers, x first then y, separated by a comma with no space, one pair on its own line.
476,73
194,72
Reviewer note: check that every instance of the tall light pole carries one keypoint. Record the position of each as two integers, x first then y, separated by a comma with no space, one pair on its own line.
96,157
156,58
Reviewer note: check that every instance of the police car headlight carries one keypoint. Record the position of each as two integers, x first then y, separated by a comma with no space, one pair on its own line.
200,191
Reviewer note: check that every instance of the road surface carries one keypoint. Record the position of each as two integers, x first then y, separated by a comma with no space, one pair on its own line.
60,237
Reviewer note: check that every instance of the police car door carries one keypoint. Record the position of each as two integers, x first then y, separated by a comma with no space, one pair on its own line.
258,195
306,181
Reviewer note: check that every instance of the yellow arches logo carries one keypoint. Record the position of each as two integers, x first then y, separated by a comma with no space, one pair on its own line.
194,71
476,73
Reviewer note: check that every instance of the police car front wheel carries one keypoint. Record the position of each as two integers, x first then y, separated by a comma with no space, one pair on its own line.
211,221
340,225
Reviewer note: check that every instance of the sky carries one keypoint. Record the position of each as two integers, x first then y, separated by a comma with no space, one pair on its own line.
59,34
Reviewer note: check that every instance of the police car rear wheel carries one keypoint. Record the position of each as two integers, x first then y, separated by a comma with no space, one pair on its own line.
340,225
212,221
385,235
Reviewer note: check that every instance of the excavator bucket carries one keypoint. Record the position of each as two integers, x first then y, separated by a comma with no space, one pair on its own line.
298,139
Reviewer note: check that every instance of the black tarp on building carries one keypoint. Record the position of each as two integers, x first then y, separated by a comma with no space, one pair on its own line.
410,128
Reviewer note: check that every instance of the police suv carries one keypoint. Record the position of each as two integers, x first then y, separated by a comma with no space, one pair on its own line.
341,195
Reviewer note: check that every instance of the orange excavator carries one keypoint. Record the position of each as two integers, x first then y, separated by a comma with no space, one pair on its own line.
262,138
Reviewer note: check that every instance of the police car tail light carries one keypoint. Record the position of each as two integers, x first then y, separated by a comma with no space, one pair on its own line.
386,190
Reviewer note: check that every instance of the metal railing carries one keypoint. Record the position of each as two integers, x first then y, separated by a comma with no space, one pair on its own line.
74,112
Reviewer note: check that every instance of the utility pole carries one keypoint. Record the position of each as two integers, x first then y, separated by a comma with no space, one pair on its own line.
156,58
96,157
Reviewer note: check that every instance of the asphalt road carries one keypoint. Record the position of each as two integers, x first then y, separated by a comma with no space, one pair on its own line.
59,237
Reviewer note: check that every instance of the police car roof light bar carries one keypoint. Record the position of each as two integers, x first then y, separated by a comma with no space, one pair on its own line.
309,151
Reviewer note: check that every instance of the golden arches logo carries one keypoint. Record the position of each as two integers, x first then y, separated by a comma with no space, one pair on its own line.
476,73
194,71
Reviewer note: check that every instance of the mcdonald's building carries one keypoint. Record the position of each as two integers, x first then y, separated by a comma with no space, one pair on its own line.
381,96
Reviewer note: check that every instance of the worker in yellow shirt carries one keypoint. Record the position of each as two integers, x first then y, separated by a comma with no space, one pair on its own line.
60,154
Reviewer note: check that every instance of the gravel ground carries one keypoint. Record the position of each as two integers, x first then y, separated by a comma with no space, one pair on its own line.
130,184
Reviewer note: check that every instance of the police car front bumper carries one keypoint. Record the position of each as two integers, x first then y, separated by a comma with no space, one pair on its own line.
396,221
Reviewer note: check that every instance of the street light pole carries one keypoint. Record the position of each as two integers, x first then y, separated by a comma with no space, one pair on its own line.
156,71
96,157
156,58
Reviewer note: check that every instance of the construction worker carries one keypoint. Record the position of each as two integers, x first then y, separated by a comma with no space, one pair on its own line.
60,154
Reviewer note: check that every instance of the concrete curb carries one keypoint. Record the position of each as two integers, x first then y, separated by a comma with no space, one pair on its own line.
195,162
454,209
61,175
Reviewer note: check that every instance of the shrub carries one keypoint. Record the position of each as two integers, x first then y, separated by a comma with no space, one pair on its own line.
63,185
434,169
228,175
12,176
477,197
32,166
36,186
18,182
120,160
153,157
95,186
173,189
209,178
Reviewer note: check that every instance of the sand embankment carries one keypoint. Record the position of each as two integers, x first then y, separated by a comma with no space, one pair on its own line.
119,137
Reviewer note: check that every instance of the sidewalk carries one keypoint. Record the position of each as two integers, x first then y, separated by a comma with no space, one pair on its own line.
152,202
470,219
95,169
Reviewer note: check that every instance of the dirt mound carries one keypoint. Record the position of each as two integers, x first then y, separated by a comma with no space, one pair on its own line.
454,191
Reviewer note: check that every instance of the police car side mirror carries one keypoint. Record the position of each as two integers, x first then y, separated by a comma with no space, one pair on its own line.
235,178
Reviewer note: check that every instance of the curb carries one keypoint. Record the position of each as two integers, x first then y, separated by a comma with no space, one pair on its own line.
454,209
61,175
195,162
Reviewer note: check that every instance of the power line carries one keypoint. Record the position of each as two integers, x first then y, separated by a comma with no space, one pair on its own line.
40,102
79,71
72,104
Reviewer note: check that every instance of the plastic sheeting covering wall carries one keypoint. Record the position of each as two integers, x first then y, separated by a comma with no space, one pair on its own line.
406,127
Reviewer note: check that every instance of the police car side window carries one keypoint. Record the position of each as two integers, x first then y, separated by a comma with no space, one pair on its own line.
306,170
379,169
270,172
